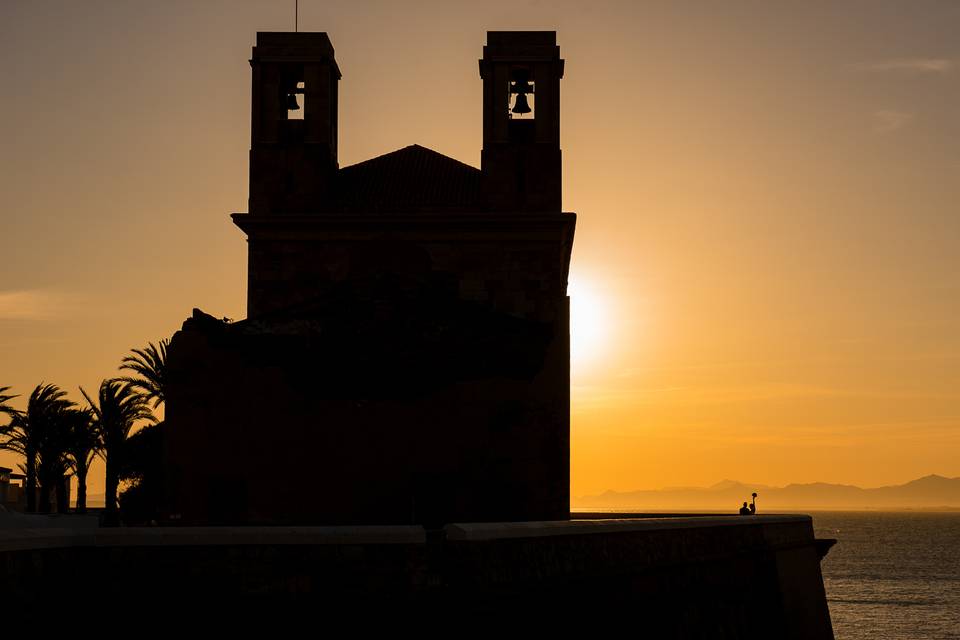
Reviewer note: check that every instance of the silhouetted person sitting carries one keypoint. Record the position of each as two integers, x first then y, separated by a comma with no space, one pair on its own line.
745,510
753,504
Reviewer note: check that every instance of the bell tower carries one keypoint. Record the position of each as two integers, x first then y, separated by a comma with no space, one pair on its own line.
520,161
293,147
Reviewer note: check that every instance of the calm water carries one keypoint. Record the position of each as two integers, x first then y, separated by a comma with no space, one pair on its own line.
892,576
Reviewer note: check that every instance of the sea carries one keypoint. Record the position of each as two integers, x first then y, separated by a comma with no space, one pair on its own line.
892,575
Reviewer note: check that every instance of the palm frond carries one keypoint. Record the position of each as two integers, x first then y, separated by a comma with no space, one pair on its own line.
5,400
117,409
150,366
84,440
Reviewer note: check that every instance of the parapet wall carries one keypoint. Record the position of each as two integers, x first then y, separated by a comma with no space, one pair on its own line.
699,577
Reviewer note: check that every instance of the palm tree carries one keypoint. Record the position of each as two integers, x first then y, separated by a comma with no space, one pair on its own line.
150,364
83,444
34,431
119,406
52,461
141,469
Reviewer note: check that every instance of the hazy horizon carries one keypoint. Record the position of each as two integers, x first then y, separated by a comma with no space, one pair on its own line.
764,280
761,484
930,493
723,493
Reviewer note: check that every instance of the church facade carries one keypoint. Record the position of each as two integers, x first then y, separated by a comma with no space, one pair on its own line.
405,358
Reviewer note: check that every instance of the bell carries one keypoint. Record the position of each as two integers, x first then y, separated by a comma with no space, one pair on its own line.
292,104
520,104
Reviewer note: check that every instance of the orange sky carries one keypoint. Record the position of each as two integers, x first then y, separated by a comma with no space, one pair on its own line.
768,236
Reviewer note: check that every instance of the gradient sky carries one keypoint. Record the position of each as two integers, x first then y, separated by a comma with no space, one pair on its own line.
766,273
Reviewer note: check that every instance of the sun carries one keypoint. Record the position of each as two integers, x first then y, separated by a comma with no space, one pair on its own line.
590,322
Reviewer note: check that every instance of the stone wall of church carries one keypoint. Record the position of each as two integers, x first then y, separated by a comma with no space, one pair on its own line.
426,380
517,264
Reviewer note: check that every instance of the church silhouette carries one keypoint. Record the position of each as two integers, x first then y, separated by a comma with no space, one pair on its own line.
405,358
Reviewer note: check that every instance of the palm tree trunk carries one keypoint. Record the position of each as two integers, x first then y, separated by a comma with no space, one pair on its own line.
44,495
63,493
31,483
81,488
111,517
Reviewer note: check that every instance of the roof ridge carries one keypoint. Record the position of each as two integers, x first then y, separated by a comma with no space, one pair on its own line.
409,147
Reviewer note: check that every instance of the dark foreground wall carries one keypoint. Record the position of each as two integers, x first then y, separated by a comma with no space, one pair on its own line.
705,577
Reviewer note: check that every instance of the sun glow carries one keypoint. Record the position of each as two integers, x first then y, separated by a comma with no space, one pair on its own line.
590,323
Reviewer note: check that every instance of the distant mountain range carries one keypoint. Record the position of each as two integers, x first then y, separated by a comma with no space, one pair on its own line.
929,492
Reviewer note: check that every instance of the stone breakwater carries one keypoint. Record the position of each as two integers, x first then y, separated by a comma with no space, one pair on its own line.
677,577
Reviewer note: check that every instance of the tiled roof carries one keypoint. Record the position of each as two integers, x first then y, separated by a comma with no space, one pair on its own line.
410,179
